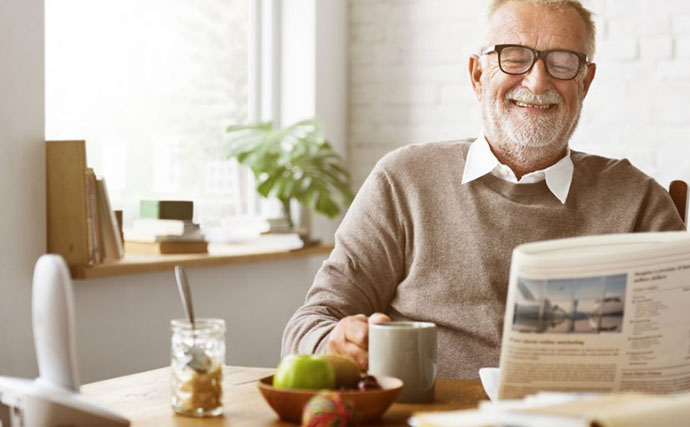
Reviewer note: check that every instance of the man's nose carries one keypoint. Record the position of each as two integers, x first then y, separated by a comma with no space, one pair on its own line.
537,79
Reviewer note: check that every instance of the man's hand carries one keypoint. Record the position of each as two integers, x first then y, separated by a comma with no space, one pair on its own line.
351,337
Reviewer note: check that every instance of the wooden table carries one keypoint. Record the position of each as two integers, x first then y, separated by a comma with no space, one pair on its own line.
145,399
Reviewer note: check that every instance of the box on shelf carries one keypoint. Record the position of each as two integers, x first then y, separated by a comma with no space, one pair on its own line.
167,209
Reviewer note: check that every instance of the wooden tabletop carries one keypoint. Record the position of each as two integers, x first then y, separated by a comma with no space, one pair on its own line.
145,399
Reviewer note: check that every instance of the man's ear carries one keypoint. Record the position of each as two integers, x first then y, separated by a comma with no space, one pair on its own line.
591,71
475,67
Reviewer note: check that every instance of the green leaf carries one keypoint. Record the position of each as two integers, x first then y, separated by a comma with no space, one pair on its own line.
281,183
294,162
250,127
326,206
264,186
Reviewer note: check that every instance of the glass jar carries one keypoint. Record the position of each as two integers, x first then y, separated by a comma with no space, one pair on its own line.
197,357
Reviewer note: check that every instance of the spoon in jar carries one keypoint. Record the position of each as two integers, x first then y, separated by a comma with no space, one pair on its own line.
198,359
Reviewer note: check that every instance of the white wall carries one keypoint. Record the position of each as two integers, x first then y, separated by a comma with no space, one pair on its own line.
409,80
22,188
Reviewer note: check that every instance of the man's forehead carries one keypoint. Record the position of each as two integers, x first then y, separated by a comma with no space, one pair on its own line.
537,26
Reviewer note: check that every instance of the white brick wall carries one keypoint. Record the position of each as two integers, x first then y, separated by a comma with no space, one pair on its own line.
409,80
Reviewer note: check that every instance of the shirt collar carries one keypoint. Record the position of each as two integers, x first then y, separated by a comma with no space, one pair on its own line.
481,160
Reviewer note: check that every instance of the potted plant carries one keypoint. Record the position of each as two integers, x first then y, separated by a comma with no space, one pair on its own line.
295,162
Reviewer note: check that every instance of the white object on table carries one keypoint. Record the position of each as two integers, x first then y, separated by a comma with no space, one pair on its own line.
491,378
53,398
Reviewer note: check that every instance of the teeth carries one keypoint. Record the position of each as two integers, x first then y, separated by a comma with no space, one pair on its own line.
540,106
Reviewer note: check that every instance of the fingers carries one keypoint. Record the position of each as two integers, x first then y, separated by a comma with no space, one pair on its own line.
356,353
350,337
379,318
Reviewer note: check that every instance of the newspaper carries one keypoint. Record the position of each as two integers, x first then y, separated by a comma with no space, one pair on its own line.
598,314
551,409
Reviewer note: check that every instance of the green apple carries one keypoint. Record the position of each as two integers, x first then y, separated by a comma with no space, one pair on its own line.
304,371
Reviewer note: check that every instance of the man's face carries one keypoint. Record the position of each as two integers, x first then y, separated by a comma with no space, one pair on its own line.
530,117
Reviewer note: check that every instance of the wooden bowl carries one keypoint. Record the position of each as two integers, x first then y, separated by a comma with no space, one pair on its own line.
371,404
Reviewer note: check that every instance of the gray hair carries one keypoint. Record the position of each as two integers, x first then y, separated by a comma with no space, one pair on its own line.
586,15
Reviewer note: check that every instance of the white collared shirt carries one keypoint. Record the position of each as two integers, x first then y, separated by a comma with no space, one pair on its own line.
481,160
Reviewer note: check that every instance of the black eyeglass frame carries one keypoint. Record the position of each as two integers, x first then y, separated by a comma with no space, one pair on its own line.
536,54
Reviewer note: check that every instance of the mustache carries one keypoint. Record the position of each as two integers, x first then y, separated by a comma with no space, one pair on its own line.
522,94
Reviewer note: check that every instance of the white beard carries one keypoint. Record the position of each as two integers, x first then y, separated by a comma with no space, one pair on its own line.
528,140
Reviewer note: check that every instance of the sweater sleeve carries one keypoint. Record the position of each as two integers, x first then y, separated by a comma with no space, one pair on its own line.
657,212
362,272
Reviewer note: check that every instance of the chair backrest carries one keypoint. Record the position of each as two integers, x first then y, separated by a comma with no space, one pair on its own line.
679,194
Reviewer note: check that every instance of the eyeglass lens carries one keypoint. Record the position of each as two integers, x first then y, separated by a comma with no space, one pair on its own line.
560,64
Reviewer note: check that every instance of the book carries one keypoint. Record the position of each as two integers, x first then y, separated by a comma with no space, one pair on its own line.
120,221
279,225
162,248
109,229
66,205
134,235
167,209
92,219
172,227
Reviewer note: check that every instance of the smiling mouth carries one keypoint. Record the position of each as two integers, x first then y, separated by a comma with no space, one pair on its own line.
529,105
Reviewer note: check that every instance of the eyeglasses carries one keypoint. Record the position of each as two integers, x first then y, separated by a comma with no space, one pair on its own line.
561,64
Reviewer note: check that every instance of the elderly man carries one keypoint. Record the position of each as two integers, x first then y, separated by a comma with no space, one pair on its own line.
430,234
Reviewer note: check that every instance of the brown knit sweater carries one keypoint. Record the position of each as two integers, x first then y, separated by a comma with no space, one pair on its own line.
417,244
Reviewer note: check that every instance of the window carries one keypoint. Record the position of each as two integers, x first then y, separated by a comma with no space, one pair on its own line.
151,86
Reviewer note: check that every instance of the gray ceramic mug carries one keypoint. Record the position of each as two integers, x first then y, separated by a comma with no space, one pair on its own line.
406,350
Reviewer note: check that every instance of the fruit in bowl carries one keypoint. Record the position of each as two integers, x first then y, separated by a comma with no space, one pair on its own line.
304,371
330,408
287,394
347,373
371,404
329,371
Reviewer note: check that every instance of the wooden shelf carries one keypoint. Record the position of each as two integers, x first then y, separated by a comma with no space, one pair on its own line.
218,255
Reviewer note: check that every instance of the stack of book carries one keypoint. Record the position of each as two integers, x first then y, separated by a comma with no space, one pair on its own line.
279,225
104,238
165,227
82,227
